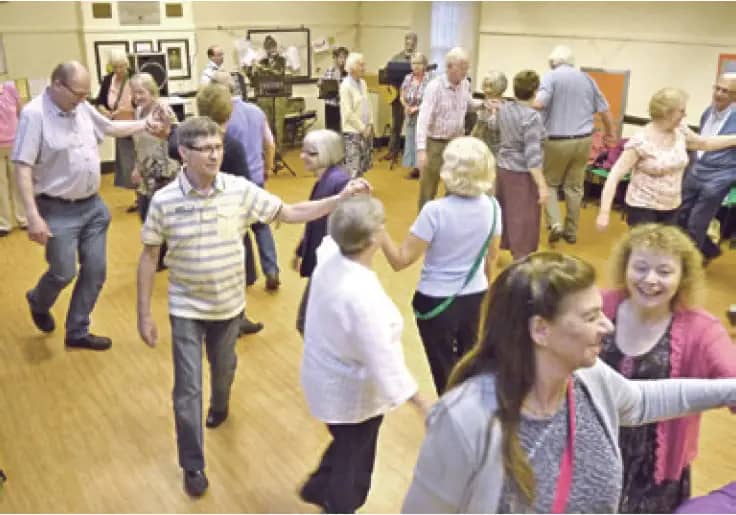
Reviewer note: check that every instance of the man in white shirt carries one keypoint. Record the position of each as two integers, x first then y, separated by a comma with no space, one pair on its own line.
216,56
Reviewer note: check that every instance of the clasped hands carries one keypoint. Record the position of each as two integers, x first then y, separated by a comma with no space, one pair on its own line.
158,122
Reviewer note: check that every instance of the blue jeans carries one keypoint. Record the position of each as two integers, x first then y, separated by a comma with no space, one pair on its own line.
410,144
187,335
79,232
266,248
701,200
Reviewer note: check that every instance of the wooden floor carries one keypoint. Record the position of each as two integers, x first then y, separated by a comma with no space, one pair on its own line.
93,432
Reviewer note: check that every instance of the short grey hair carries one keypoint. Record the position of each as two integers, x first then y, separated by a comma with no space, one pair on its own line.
496,82
468,168
195,128
456,55
561,54
354,222
412,36
352,60
329,146
224,78
147,82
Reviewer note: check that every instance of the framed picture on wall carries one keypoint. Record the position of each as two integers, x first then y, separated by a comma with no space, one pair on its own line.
143,47
102,55
176,52
293,45
726,64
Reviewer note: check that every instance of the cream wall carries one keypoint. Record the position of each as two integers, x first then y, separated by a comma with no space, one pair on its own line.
661,43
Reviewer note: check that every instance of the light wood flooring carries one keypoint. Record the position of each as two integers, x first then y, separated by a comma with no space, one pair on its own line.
94,432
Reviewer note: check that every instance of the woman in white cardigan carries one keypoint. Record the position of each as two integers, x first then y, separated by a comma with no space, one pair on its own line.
353,369
531,422
356,115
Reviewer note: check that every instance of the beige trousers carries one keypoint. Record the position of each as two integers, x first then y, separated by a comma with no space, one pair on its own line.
565,161
11,205
430,178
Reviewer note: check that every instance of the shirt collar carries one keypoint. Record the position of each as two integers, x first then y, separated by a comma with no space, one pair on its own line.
218,186
449,85
52,108
719,115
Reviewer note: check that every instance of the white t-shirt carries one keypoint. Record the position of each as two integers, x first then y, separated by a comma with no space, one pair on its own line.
456,228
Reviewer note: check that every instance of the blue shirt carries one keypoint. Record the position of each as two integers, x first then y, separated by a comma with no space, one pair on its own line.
455,228
246,124
570,98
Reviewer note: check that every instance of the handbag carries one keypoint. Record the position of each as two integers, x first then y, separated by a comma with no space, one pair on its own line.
442,307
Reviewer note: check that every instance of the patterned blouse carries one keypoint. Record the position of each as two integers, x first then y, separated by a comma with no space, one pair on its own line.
152,160
413,91
334,73
656,179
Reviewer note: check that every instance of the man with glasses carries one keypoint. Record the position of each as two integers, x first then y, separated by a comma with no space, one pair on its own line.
58,173
203,215
711,174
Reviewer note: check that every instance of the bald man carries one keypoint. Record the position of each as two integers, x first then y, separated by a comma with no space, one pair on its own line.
215,58
711,174
57,165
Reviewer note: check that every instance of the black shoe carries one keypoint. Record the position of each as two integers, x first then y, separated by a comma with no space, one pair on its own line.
555,233
272,281
249,327
414,174
4,232
195,482
44,321
570,238
90,342
310,494
215,418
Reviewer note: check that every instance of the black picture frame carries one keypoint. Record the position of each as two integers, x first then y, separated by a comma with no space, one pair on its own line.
102,48
145,46
299,37
178,61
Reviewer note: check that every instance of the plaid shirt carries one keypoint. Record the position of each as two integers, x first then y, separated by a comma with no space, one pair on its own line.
334,73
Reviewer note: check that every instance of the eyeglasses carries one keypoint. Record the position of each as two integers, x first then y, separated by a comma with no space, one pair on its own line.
208,149
719,89
78,94
310,153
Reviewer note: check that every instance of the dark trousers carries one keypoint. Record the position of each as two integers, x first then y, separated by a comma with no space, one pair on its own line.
343,477
332,118
642,215
397,122
301,315
250,260
449,335
701,199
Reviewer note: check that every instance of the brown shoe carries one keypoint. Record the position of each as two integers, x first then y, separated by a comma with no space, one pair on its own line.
272,281
414,174
389,156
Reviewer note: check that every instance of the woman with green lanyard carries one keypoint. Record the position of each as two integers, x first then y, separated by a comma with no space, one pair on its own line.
459,236
531,418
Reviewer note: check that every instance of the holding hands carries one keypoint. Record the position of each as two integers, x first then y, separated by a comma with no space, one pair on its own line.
356,187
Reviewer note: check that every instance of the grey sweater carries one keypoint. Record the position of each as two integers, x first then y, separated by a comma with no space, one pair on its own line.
460,465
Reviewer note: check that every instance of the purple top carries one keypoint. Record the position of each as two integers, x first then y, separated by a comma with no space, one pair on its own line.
247,124
722,500
332,182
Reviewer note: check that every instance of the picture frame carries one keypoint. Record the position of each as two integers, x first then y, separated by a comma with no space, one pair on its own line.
726,64
178,62
102,55
143,47
3,65
296,42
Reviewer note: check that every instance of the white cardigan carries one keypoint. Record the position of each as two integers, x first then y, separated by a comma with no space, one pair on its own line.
351,105
353,366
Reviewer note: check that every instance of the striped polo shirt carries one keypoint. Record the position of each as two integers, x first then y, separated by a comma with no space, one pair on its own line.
204,235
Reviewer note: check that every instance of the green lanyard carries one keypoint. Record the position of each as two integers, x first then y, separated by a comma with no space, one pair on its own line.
440,308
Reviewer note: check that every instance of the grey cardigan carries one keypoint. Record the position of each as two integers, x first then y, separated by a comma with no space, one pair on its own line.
460,465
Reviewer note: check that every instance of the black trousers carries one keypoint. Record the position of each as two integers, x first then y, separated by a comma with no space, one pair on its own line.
397,123
250,260
450,335
642,215
343,477
332,118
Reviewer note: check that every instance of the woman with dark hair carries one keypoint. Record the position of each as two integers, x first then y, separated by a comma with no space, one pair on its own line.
335,72
532,419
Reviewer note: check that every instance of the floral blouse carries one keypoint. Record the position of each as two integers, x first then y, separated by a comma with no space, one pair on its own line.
656,179
413,91
152,160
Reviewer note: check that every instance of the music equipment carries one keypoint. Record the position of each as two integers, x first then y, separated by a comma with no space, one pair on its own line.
154,63
392,76
271,85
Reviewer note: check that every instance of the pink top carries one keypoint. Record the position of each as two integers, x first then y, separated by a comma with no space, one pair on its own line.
9,100
656,179
699,348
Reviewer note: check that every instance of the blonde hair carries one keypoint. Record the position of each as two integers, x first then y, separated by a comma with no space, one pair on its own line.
214,101
666,239
147,82
329,146
117,56
496,82
468,168
665,101
418,56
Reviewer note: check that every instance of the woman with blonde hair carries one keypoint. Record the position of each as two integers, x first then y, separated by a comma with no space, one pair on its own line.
530,423
410,96
661,333
656,157
115,101
356,117
458,235
486,128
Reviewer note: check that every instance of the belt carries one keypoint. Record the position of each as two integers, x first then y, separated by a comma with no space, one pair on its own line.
43,196
578,136
440,140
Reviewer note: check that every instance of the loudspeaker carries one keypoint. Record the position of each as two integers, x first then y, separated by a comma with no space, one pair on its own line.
155,64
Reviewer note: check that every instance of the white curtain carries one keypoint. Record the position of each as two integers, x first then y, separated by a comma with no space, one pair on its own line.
453,24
